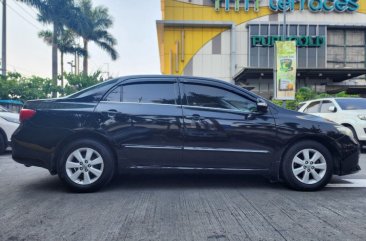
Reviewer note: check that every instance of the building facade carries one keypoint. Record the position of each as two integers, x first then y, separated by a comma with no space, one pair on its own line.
233,40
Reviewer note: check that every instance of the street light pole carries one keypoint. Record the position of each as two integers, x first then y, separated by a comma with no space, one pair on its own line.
3,64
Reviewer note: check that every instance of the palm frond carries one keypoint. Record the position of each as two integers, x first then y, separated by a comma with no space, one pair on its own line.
108,48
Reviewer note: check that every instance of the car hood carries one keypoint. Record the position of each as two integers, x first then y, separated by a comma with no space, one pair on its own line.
355,112
314,118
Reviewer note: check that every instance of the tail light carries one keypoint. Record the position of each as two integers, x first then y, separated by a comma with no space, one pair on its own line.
26,114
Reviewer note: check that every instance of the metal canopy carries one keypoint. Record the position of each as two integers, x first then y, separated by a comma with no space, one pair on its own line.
334,75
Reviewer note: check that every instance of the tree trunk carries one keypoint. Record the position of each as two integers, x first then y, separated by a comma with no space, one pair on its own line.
85,59
62,69
54,58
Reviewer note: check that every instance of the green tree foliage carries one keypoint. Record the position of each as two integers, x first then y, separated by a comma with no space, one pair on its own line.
17,87
81,81
305,94
96,22
58,13
66,44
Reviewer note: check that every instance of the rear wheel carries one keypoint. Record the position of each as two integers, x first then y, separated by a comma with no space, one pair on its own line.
86,165
307,166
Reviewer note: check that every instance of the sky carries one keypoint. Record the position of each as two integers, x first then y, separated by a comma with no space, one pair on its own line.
134,28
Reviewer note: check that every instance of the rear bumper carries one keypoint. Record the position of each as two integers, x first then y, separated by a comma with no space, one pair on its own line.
31,155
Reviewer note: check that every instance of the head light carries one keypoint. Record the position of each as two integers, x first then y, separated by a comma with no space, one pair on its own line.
362,117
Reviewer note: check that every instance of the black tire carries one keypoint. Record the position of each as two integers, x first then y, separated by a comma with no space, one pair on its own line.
287,166
2,144
108,165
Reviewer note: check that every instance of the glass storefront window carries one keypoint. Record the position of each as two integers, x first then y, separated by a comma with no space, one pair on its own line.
308,56
346,48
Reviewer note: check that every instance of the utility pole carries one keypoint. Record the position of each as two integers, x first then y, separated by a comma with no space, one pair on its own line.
3,64
284,20
284,104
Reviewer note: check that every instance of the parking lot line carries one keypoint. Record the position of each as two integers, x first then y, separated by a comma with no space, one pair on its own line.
349,183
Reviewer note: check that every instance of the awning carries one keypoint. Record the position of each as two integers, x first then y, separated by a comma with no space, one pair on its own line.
333,75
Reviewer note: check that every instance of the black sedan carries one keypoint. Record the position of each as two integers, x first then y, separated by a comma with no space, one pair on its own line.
179,123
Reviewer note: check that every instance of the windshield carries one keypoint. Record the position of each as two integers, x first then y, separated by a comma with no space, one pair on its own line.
352,104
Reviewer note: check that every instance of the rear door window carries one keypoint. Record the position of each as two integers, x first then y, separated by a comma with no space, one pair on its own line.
325,106
313,107
150,93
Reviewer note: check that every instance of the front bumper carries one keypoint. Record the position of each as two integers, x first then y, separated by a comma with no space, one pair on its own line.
349,155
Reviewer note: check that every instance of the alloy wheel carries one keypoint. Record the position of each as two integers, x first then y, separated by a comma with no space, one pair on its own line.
309,166
84,166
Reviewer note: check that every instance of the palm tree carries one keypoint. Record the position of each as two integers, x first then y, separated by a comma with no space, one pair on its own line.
95,24
65,44
59,13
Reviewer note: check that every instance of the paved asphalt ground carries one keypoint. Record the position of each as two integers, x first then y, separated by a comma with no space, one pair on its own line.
35,206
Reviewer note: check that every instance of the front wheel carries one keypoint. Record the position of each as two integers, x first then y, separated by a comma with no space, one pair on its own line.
86,165
307,166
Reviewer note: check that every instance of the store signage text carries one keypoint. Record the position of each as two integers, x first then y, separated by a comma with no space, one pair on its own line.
280,5
301,41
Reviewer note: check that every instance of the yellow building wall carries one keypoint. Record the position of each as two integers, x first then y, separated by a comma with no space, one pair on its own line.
196,38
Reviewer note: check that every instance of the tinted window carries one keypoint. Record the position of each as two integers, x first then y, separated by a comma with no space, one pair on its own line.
325,106
213,97
352,104
96,92
313,107
158,93
115,95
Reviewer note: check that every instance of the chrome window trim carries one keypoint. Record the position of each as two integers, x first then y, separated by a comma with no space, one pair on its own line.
118,102
225,150
220,109
198,168
152,147
194,148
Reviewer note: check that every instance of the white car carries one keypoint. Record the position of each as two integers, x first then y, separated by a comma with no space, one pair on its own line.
9,122
349,112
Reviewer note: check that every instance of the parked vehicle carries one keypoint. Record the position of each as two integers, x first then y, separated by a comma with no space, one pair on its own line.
9,122
349,112
179,123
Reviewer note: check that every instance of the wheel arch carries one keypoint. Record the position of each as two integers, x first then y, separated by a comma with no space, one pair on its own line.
323,140
77,136
5,137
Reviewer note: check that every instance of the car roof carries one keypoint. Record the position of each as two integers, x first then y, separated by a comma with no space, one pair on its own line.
331,98
175,77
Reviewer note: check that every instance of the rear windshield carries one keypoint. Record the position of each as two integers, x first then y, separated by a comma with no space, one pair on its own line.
352,104
3,109
96,92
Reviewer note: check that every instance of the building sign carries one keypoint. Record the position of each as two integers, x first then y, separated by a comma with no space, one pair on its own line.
279,5
285,70
301,41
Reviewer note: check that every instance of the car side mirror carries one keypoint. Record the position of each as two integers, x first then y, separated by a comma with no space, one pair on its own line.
262,105
332,109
